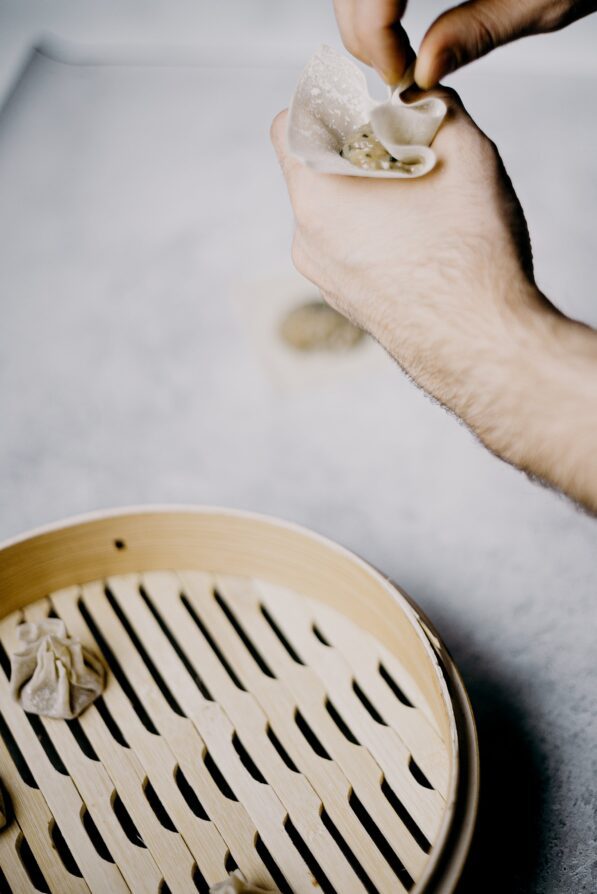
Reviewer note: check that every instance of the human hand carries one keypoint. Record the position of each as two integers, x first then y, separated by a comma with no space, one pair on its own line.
372,32
439,271
422,264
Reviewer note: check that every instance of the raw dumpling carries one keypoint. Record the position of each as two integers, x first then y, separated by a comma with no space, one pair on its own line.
234,884
53,674
328,113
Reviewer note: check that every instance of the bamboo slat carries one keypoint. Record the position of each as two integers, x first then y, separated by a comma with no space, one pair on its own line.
245,724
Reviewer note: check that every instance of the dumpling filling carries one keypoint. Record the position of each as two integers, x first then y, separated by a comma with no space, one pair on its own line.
363,149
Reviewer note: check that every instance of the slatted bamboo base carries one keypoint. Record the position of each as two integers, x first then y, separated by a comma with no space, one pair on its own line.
245,724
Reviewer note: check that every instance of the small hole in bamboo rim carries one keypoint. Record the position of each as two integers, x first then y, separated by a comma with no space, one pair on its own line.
189,794
310,735
64,852
119,544
319,875
175,645
94,836
212,643
280,635
144,655
116,668
31,866
243,636
126,821
271,866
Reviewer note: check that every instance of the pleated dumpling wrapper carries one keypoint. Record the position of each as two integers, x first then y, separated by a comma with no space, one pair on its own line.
52,674
235,884
332,102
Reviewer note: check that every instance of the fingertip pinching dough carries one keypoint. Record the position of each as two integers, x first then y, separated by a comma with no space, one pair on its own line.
53,674
336,127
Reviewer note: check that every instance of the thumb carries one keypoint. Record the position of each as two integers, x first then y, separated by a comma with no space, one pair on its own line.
469,31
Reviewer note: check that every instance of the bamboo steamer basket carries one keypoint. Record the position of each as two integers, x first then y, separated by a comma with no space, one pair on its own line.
273,705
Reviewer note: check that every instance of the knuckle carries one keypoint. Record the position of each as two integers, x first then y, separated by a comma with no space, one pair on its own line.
555,15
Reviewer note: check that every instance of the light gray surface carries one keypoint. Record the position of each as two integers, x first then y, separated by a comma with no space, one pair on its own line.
133,203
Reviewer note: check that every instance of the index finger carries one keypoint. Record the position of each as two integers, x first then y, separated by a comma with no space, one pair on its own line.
382,38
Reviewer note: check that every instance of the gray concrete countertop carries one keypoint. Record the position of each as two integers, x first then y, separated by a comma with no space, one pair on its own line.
142,216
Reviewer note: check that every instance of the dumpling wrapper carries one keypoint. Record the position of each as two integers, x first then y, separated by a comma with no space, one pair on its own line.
332,100
53,674
235,884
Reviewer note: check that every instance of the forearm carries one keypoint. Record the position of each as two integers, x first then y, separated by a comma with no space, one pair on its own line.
439,271
524,380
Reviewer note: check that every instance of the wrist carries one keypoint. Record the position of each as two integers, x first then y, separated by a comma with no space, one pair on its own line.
521,375
555,438
539,406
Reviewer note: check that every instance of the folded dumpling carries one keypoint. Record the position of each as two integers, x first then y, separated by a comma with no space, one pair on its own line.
235,884
336,127
52,673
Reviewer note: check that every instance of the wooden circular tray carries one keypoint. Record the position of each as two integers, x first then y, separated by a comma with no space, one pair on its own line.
272,704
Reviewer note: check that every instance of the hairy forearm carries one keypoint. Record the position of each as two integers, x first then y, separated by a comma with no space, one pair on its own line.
439,271
523,378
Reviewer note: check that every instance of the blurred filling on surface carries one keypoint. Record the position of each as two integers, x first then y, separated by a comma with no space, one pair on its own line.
314,326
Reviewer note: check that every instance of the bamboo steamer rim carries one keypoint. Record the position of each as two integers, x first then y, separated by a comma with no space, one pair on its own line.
34,552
